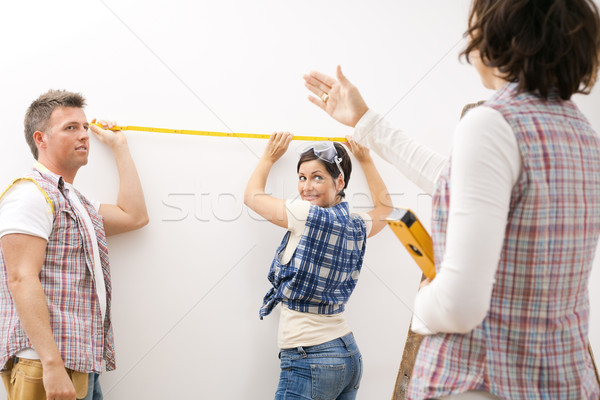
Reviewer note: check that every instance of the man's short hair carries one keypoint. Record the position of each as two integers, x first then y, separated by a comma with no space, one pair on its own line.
38,114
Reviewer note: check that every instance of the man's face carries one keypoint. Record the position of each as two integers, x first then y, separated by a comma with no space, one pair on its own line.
67,139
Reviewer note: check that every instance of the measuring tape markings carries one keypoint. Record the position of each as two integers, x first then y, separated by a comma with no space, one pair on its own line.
218,134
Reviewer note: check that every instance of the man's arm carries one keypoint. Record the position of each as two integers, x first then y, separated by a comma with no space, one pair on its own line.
24,257
130,211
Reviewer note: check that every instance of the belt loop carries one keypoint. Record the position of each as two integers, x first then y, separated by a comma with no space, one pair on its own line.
301,351
348,340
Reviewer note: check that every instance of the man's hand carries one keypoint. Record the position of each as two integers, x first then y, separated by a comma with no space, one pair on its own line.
110,138
57,383
344,102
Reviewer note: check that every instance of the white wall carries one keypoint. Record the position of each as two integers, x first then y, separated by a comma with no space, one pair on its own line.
187,288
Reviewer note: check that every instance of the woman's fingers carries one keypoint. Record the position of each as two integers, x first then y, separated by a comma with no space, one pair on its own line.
316,86
288,140
272,139
351,144
341,77
317,101
280,141
321,77
359,151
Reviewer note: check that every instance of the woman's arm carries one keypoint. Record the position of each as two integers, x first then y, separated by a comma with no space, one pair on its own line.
345,104
382,202
268,207
417,162
486,164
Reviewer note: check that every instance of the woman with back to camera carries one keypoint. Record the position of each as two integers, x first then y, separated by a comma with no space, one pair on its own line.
516,209
316,267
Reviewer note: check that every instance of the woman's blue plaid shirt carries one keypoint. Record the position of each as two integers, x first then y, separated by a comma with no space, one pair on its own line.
325,267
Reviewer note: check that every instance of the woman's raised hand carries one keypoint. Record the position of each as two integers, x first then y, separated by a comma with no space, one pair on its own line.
360,152
339,98
277,145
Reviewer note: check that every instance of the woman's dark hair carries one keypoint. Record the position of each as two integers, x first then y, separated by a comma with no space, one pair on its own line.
331,168
543,45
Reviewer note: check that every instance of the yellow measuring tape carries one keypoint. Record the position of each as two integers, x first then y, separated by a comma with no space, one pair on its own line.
219,134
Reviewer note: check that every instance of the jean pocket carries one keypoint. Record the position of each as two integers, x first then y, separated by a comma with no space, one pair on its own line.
359,373
327,380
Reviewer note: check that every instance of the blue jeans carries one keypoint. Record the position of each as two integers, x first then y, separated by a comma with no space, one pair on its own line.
94,390
327,371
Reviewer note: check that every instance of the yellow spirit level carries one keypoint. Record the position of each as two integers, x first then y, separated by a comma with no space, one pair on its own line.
414,237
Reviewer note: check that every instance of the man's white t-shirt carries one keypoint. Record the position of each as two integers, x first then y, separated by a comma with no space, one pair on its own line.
25,210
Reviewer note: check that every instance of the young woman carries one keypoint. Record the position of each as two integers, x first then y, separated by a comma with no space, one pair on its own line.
317,265
516,212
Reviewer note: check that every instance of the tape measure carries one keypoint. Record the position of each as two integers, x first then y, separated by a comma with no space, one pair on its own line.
218,134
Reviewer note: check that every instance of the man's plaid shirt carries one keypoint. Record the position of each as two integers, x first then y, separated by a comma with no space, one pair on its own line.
68,282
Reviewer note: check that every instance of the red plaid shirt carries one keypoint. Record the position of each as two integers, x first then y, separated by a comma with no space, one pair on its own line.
67,278
533,342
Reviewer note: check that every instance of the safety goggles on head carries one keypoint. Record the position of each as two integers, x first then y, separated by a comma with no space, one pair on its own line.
325,151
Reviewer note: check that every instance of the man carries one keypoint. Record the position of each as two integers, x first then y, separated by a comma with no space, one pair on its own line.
55,290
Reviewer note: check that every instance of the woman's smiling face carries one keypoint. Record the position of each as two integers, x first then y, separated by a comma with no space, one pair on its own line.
316,185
